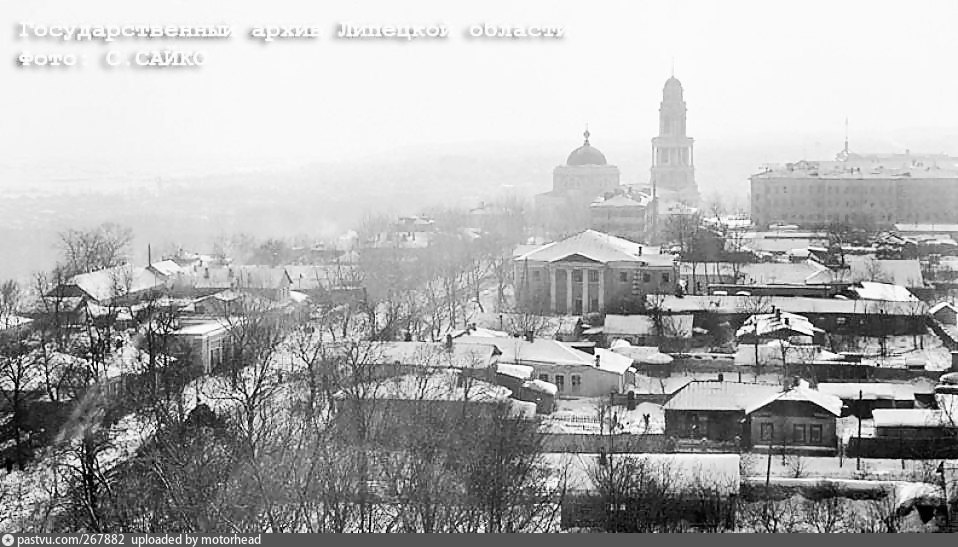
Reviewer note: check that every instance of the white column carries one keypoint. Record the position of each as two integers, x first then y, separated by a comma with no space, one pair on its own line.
585,291
602,290
552,289
568,291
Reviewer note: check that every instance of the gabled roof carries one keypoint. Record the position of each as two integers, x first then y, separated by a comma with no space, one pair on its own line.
433,354
543,351
826,401
729,396
940,306
238,277
883,291
166,268
768,324
620,200
103,285
603,248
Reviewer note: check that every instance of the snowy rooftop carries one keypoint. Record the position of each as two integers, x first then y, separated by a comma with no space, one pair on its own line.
598,247
440,386
685,471
826,401
730,396
870,391
911,417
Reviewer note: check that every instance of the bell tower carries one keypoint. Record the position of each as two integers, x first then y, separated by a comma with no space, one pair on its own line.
673,160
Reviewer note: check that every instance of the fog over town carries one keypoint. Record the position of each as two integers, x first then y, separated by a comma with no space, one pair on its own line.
536,267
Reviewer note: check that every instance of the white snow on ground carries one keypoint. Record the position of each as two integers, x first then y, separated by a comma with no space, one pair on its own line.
25,493
582,416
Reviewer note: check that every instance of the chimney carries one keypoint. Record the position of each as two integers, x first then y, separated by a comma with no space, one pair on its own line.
530,335
640,250
206,273
448,342
954,361
149,255
721,377
597,361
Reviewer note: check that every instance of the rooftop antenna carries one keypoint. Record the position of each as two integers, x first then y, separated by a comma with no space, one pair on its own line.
586,134
846,135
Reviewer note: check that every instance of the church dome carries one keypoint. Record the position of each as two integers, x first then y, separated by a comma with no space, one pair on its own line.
586,154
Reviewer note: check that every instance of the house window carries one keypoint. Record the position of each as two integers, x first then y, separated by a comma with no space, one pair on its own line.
646,278
594,304
560,382
767,432
815,433
798,433
576,383
535,274
624,277
593,276
544,377
577,275
665,278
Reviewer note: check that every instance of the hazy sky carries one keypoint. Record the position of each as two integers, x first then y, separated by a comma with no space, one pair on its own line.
751,70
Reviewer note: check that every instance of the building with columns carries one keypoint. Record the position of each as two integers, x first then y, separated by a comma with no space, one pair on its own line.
591,272
673,159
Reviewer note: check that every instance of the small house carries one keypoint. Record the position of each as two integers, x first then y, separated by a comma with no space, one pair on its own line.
798,417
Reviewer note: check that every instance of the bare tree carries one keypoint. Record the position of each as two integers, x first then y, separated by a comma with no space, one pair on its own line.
104,246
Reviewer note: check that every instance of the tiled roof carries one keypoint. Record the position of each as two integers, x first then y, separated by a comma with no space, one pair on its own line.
708,395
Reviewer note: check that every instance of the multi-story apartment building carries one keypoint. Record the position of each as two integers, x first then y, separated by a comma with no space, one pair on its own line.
873,190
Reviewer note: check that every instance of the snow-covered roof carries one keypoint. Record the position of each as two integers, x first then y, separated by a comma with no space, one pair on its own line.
439,386
516,371
768,324
710,395
472,355
611,361
543,351
683,471
940,306
598,247
792,304
541,385
674,325
870,290
648,355
298,297
826,401
166,267
203,329
911,417
870,391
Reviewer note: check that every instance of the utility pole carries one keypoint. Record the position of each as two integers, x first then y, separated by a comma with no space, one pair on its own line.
858,463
